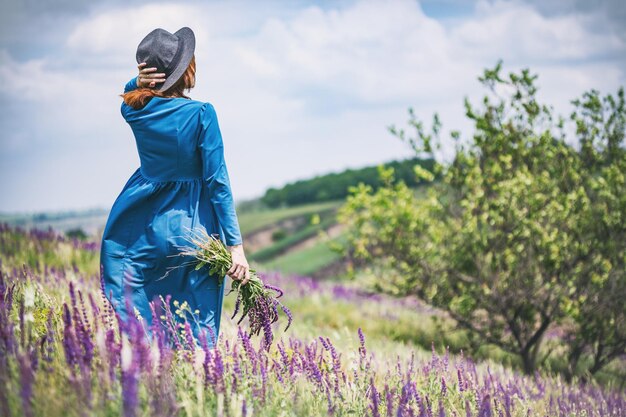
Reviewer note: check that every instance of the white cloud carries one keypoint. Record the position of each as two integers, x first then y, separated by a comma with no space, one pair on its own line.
24,80
517,32
372,51
111,32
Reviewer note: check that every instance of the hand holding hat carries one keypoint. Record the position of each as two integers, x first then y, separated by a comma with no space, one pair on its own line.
147,80
168,53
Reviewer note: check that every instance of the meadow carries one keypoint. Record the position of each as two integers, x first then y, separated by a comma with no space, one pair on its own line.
348,352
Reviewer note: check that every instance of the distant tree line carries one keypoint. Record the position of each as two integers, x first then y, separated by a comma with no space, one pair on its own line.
334,186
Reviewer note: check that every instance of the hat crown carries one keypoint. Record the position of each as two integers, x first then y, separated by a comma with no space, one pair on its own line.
160,49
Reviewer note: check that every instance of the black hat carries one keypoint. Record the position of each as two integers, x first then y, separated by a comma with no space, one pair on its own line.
169,53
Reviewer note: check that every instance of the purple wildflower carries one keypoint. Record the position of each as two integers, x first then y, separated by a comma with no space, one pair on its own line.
274,288
442,410
189,338
69,340
388,400
362,349
375,401
218,366
237,305
485,407
27,379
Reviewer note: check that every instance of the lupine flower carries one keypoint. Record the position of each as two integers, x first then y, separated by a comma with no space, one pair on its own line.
362,349
69,340
429,406
130,381
189,338
375,401
27,379
404,400
218,366
133,356
47,342
388,400
314,371
442,411
485,407
245,340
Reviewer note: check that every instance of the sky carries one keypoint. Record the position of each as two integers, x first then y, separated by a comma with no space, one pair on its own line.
301,88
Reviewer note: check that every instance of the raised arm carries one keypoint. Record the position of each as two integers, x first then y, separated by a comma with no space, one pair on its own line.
149,78
215,174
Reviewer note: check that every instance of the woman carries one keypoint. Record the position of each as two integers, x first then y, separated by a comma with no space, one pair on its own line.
181,184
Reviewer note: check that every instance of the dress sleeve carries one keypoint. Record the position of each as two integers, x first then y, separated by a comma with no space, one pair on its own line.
131,85
215,174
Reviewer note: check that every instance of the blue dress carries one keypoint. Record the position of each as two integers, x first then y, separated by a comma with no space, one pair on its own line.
182,182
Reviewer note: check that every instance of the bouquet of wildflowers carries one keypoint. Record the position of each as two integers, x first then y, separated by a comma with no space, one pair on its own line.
255,299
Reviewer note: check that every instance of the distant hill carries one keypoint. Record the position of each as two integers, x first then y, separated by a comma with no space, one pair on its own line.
334,186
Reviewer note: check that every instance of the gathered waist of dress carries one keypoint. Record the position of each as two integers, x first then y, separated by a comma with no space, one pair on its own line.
166,180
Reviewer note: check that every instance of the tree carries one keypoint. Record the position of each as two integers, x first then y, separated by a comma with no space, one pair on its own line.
598,307
501,244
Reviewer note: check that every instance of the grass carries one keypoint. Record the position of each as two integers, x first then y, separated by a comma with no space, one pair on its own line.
291,239
306,261
250,222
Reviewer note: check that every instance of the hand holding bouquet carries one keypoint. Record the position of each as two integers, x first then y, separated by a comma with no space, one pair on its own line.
255,299
240,270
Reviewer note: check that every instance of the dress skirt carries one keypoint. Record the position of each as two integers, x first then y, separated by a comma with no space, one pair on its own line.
140,255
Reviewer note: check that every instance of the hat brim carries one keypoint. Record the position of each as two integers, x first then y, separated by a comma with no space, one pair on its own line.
188,39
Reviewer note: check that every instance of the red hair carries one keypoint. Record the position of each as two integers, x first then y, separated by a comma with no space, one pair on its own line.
141,96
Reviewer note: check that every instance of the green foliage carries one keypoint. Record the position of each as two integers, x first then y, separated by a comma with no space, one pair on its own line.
278,235
77,233
252,221
335,185
525,232
307,261
283,245
597,301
